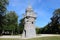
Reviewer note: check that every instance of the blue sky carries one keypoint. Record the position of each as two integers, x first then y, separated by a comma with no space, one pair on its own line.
43,8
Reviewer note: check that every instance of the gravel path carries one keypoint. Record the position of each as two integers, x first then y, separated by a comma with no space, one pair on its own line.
40,35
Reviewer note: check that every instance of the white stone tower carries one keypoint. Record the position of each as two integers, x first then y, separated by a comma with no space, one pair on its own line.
29,27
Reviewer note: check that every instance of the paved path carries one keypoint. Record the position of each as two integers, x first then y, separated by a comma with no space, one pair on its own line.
8,36
40,35
43,35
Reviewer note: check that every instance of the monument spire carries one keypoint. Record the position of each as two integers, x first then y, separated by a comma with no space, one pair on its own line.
29,8
29,4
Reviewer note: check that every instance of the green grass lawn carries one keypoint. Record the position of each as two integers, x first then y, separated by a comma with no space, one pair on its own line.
43,38
47,38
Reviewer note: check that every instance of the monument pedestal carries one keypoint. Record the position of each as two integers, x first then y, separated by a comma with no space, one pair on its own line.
29,31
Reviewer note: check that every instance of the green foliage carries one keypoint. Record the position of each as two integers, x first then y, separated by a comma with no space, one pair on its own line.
3,4
54,26
38,30
21,25
11,22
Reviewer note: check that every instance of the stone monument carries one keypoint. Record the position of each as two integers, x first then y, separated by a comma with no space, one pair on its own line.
29,27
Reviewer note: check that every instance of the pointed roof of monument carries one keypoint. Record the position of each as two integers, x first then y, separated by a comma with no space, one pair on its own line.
29,8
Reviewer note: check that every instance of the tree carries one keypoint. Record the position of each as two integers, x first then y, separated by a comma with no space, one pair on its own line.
46,29
21,25
56,21
38,30
3,4
54,26
11,22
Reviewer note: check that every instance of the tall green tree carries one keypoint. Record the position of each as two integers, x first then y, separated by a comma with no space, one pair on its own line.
54,26
21,25
11,22
56,21
3,5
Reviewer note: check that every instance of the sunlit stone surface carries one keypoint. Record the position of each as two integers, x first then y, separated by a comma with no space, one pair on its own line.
29,27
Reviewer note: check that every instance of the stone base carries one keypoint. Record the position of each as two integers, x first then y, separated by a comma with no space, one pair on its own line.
29,32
